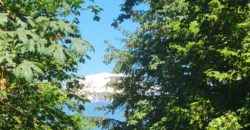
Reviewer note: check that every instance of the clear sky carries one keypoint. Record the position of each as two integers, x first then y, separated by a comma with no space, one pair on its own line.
97,32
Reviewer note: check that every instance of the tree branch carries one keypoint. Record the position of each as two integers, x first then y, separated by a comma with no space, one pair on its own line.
1,2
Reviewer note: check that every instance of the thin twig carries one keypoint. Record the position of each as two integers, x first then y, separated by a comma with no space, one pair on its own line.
10,106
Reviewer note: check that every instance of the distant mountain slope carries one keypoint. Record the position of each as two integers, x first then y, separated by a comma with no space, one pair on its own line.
96,86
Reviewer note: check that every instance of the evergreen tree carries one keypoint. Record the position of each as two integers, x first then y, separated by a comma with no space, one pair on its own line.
187,65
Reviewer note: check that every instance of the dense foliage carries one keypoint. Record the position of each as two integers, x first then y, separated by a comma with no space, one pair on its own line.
187,65
39,52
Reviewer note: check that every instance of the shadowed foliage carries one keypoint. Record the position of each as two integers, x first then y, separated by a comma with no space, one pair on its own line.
187,65
39,52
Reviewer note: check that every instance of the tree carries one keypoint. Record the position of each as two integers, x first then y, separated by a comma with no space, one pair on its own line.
40,49
187,65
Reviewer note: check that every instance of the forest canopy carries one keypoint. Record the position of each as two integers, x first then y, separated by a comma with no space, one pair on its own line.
187,65
40,49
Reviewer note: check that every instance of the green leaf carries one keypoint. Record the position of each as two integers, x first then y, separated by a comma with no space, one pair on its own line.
30,21
6,56
57,51
226,52
217,75
3,18
21,23
65,27
22,35
42,19
3,95
28,70
79,44
35,45
228,121
194,27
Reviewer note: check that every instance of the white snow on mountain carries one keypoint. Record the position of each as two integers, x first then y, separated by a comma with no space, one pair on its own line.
96,86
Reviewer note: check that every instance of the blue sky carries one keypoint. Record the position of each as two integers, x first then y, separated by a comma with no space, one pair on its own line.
97,32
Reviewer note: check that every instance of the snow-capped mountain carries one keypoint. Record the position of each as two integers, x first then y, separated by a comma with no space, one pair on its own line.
96,86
